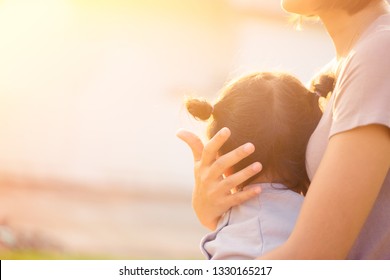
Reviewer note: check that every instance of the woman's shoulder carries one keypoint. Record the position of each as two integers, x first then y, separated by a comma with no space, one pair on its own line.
370,53
362,94
375,42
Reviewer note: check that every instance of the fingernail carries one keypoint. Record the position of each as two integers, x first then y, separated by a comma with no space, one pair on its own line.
256,166
257,190
249,147
225,131
178,132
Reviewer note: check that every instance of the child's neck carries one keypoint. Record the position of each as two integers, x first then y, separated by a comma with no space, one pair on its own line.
260,179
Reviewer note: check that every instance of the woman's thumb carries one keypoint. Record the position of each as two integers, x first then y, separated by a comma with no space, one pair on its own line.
192,141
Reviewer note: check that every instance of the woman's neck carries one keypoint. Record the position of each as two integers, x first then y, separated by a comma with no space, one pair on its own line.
345,29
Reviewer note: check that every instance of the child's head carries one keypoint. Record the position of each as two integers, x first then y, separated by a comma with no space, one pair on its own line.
276,113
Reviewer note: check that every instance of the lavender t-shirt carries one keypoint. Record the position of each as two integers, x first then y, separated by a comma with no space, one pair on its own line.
361,97
254,227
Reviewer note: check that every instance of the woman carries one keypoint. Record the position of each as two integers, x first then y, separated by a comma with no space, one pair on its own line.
346,211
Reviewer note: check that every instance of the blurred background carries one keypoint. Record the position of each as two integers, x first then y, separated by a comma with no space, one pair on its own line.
91,96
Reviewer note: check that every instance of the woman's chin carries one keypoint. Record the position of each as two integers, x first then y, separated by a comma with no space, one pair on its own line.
300,7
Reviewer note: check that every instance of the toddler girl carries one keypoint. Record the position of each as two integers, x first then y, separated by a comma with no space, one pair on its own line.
276,113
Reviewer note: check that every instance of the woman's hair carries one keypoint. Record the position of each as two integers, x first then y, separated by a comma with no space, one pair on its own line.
276,113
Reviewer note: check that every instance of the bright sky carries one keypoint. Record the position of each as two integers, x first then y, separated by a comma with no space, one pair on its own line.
92,90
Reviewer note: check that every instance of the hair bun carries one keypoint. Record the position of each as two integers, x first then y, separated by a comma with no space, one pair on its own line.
324,84
199,108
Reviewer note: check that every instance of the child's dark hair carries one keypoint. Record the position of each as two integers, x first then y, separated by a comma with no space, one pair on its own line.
276,113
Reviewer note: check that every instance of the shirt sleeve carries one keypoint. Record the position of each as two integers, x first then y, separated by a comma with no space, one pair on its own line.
362,92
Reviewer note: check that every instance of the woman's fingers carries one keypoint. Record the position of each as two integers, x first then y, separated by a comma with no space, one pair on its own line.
228,160
193,142
211,196
226,201
242,196
240,177
211,149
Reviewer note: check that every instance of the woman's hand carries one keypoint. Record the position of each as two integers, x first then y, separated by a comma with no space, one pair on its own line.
212,194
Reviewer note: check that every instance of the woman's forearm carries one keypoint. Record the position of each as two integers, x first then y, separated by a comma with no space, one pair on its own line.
341,196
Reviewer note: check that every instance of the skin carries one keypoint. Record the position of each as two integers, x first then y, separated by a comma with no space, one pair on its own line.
341,195
304,7
352,170
212,195
346,184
